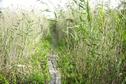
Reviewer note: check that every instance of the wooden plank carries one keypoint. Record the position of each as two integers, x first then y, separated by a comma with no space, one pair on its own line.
55,75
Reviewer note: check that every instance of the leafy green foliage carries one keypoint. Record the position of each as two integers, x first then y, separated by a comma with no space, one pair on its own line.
21,51
40,63
91,46
97,56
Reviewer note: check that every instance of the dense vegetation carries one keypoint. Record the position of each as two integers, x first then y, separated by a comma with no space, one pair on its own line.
21,48
90,44
94,50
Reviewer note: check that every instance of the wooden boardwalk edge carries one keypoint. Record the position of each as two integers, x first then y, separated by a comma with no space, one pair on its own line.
55,75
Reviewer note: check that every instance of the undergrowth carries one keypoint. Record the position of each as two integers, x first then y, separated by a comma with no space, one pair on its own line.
23,54
92,50
90,44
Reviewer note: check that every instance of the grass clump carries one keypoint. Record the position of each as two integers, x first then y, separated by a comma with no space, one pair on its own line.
21,57
91,45
93,48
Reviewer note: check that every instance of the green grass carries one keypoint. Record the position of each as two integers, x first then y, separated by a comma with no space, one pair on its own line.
90,44
21,48
93,50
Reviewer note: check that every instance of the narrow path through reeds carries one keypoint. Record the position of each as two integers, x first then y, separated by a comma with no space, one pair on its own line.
55,75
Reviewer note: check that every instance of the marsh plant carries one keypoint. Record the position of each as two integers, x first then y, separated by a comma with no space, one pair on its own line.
93,51
20,33
90,44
